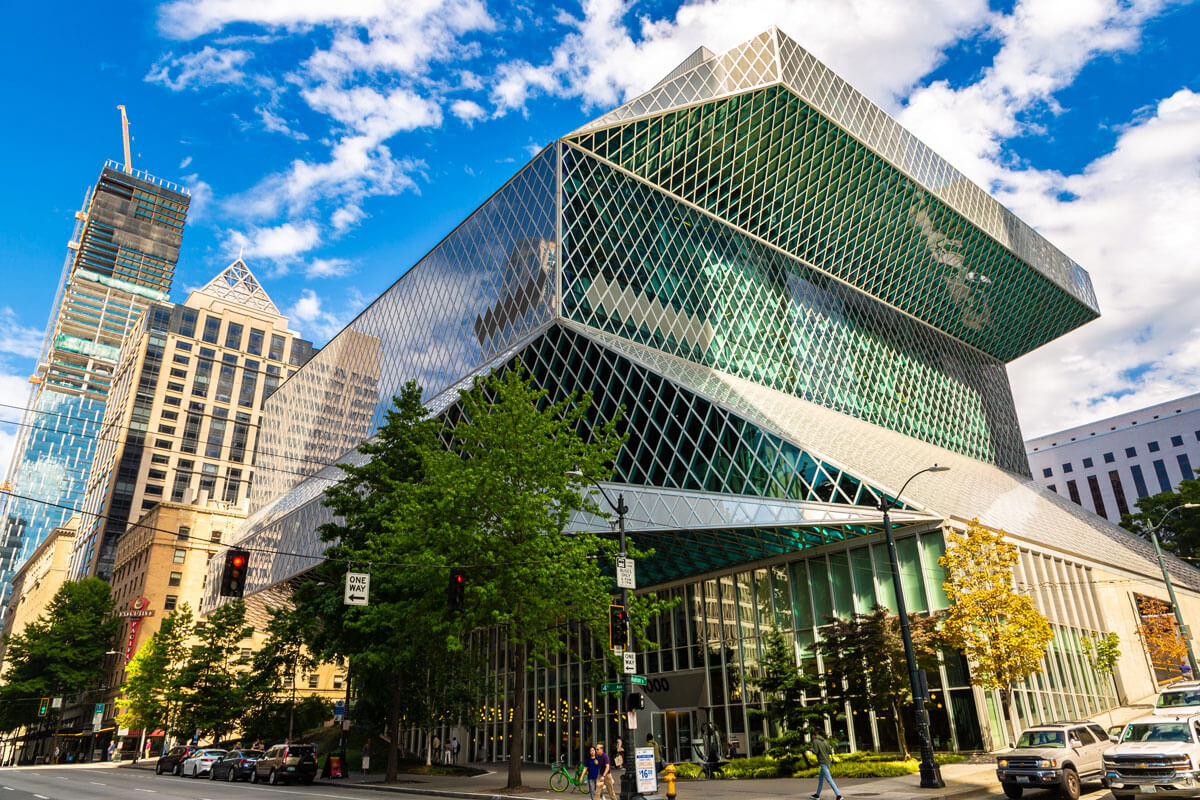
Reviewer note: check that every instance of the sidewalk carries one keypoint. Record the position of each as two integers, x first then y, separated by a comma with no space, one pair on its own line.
963,780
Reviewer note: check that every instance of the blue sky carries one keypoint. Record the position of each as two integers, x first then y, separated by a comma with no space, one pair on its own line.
335,142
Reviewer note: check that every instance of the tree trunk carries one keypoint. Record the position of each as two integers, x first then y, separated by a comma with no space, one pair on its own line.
516,738
900,736
393,760
429,731
1012,721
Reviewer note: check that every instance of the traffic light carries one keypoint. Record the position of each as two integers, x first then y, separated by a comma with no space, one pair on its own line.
635,700
618,627
454,592
233,577
44,707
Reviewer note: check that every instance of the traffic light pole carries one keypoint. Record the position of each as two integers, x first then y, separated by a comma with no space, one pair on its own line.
628,776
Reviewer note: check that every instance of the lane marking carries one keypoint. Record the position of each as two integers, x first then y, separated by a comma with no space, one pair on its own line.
97,783
42,796
151,791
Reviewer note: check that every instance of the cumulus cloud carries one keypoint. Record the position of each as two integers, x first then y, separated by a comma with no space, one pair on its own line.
17,339
317,323
14,391
205,67
327,268
468,111
281,244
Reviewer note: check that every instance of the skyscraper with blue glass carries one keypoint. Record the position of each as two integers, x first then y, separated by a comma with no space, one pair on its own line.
121,259
797,305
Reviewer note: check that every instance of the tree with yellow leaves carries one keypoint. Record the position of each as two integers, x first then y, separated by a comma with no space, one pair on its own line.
999,631
1160,635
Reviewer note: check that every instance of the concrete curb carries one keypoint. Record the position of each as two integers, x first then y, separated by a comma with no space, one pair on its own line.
425,792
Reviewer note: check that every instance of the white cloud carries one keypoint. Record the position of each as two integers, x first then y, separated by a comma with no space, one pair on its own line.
14,391
277,124
201,197
281,243
327,268
317,323
183,164
468,111
17,339
205,67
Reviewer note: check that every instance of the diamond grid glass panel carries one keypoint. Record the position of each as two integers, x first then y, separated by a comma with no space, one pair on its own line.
770,164
640,264
484,287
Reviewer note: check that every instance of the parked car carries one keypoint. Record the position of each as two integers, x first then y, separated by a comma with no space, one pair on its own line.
200,762
1057,755
1181,697
172,760
1157,755
286,763
235,765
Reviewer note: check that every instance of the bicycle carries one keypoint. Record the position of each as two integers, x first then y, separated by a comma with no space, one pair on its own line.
561,778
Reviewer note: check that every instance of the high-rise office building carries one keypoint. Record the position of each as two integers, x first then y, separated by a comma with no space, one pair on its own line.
794,306
1107,466
183,413
121,259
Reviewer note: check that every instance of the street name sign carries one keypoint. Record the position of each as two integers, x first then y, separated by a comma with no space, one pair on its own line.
630,662
625,576
638,680
609,688
358,588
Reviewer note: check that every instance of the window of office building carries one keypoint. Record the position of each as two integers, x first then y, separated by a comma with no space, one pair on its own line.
277,343
169,602
1047,472
1177,441
233,336
1114,478
1152,447
176,579
184,532
212,329
1067,467
1087,463
313,681
215,536
1097,498
187,322
180,555
225,381
1160,470
1185,467
1139,482
1109,458
241,436
254,344
1073,491
216,435
202,377
249,384
1130,452
233,485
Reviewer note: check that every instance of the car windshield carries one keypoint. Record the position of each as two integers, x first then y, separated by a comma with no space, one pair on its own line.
1176,699
1156,732
217,753
1042,739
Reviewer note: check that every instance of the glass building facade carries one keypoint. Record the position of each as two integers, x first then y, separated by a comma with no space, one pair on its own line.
797,305
121,260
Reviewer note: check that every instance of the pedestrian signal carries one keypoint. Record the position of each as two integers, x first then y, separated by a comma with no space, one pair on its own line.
636,700
454,592
233,576
618,627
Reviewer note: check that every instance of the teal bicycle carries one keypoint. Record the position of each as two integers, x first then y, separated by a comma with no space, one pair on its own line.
563,778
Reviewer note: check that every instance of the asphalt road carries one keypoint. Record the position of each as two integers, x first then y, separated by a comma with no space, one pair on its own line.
94,782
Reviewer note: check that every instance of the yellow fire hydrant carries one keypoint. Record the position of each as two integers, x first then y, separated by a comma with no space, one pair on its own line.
670,770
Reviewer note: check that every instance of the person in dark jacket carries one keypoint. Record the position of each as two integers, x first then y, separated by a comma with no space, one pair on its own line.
824,754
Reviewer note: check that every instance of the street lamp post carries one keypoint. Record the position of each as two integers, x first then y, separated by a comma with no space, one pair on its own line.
628,776
931,773
1162,564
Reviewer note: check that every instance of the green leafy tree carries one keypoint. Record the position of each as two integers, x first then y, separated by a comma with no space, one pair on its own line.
149,697
786,690
275,667
61,653
387,524
1102,652
1003,636
270,721
509,500
210,683
864,656
1180,532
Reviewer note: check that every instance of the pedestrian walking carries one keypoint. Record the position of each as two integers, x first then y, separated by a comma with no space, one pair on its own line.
112,748
618,754
366,756
593,771
454,751
606,778
654,745
447,752
824,754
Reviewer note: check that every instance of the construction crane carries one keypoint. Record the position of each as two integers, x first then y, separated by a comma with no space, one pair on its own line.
125,136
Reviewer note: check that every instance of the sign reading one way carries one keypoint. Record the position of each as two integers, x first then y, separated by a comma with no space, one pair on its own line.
630,662
358,588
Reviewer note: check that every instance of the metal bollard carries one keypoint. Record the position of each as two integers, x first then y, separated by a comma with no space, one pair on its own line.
670,770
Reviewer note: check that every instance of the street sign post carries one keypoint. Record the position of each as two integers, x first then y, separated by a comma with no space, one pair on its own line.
630,662
625,573
339,710
358,588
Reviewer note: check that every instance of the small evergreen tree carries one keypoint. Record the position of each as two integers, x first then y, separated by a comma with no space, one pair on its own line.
785,688
149,698
211,685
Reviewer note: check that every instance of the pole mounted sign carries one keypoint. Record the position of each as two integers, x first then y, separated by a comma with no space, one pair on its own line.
625,573
358,588
630,662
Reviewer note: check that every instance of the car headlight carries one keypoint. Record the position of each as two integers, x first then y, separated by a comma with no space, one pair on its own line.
1048,763
1002,763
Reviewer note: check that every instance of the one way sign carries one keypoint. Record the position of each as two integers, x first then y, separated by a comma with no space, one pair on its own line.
358,588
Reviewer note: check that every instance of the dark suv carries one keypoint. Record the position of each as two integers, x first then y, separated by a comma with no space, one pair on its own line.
286,763
172,760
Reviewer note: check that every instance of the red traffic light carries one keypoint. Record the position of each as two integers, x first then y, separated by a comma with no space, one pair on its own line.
238,561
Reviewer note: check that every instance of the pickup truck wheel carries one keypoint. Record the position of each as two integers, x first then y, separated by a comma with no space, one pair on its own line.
1070,784
1012,790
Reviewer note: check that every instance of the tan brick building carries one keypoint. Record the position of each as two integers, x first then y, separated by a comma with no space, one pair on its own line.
37,581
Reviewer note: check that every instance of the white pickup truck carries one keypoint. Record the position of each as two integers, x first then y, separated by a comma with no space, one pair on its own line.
1157,754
